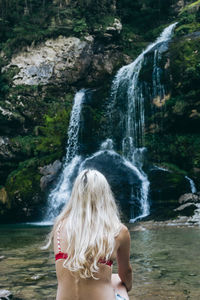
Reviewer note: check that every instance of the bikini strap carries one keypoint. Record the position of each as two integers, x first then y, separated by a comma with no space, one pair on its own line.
58,237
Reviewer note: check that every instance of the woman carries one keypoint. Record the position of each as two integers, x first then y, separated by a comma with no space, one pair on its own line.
88,236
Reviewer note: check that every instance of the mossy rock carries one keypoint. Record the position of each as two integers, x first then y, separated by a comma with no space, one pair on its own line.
166,186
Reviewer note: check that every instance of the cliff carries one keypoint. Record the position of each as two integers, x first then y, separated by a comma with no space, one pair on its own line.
51,49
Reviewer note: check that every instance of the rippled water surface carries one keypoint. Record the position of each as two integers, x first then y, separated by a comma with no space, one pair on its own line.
166,263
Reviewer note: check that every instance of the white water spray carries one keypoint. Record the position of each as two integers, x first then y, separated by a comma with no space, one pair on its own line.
132,141
192,185
126,83
61,193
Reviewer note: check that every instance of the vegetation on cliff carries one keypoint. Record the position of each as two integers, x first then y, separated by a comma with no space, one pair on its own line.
177,137
34,118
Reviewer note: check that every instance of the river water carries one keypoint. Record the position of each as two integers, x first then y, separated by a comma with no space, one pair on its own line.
165,260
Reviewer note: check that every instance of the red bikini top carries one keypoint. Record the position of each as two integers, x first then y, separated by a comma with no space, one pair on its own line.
62,255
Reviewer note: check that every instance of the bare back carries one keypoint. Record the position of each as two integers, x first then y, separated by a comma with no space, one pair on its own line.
73,287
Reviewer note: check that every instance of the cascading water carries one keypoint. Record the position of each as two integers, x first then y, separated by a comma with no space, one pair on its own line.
127,87
61,193
192,185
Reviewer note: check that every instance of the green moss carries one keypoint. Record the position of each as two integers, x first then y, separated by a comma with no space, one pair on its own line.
194,3
186,64
173,168
80,26
191,5
187,29
53,133
23,183
180,150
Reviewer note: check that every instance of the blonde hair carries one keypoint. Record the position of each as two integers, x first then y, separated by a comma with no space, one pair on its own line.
92,222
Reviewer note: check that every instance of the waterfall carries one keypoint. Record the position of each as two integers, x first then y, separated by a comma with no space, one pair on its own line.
192,184
127,87
127,78
61,193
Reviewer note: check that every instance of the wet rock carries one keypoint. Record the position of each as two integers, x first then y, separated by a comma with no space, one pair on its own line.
166,187
189,197
186,209
122,180
5,295
189,204
50,171
2,257
195,218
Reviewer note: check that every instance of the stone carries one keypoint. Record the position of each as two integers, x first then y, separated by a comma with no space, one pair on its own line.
122,181
115,27
189,197
178,6
65,58
183,206
5,148
50,171
5,295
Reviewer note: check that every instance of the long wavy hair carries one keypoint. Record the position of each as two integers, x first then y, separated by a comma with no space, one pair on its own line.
91,221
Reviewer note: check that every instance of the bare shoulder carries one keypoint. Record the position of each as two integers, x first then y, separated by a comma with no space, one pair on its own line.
124,233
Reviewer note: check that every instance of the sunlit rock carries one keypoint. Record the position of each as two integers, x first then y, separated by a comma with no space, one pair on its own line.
62,59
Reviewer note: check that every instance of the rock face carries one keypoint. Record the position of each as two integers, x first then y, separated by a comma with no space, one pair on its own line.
34,115
65,60
122,179
165,189
39,81
62,58
49,172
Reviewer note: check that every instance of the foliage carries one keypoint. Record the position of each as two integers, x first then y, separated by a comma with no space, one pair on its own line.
53,133
4,86
144,14
25,144
24,22
174,148
189,19
23,183
185,72
80,26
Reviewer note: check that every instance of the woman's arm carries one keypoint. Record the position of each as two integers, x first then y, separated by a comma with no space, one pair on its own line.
123,258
